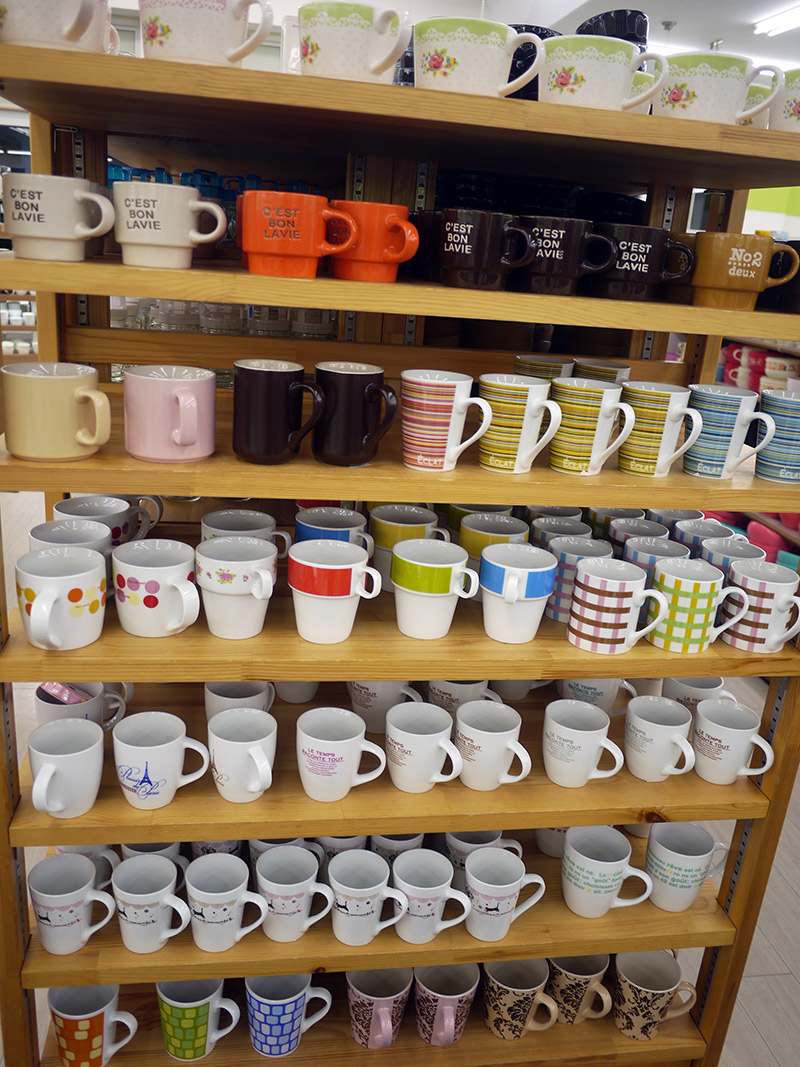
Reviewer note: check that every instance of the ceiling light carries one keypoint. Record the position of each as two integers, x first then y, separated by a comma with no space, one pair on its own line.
775,24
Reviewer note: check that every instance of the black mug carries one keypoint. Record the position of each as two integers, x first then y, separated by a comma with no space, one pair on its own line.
565,253
268,409
781,297
641,262
524,56
477,249
351,425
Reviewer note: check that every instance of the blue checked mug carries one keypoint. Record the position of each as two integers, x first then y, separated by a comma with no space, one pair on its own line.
276,1011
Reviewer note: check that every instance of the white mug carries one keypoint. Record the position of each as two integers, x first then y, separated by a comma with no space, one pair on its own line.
62,892
154,586
149,750
359,880
487,738
222,695
459,846
104,858
600,691
144,889
82,26
690,691
332,846
61,593
417,745
127,521
372,699
451,695
241,744
330,742
724,739
679,859
236,576
656,737
256,848
66,758
202,31
296,692
156,225
216,888
494,880
574,736
595,863
426,878
241,522
328,579
390,846
103,706
287,879
49,217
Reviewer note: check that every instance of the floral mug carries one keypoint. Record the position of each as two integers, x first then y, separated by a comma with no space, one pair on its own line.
589,71
466,55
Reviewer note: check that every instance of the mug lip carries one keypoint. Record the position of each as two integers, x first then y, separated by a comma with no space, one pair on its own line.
426,855
717,389
501,378
405,974
75,860
511,523
777,394
495,856
602,833
250,984
426,977
135,721
357,726
322,552
706,52
591,960
233,865
48,371
436,376
170,997
405,509
278,852
107,993
380,873
712,707
675,549
465,712
261,549
647,703
87,560
92,500
75,725
659,956
690,827
490,966
694,526
450,554
430,710
592,37
268,721
656,387
620,570
557,708
170,372
567,543
136,863
343,366
438,19
697,569
238,515
531,557
275,366
73,523
126,553
587,384
347,517
729,545
764,571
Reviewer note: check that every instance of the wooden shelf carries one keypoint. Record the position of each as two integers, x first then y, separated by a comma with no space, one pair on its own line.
377,807
106,276
778,527
112,470
330,1042
549,927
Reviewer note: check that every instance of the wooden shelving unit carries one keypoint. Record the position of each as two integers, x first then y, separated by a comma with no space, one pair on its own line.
222,111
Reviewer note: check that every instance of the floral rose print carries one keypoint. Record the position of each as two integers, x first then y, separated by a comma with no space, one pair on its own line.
309,50
791,109
678,96
566,80
438,62
225,577
155,31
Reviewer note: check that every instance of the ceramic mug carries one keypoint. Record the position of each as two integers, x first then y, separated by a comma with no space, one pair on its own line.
127,521
679,860
728,413
428,578
189,1013
434,407
390,523
241,744
595,863
236,576
283,233
569,551
330,742
202,31
712,87
646,990
170,413
586,70
518,404
425,877
61,594
328,580
443,997
351,424
87,1016
66,760
353,41
513,992
62,893
724,740
458,846
487,738
385,239
216,889
417,745
694,590
82,27
494,880
377,1000
149,751
575,983
731,269
575,733
607,597
287,878
219,696
470,55
268,409
656,737
360,884
600,691
589,409
333,524
156,224
373,699
154,586
770,621
655,442
50,217
516,582
144,889
242,522
277,1011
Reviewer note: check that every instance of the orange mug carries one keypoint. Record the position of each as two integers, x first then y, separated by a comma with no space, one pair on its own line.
385,239
283,234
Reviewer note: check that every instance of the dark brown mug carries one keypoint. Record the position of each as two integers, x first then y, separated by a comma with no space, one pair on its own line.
641,262
567,250
351,426
478,249
268,409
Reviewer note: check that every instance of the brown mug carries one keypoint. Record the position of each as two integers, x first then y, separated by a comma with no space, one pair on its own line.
731,269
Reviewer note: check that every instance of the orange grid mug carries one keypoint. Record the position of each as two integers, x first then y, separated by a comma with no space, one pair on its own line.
283,234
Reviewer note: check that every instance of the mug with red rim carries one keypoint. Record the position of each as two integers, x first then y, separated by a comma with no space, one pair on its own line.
328,579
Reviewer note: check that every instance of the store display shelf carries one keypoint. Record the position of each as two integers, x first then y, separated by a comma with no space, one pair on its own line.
112,470
778,527
375,645
548,928
377,807
331,1044
106,276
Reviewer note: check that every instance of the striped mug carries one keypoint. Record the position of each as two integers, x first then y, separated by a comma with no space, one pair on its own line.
569,551
605,606
779,459
693,589
768,623
586,437
434,405
655,441
518,404
727,414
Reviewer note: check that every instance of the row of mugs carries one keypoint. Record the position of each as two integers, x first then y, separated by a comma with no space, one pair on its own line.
642,991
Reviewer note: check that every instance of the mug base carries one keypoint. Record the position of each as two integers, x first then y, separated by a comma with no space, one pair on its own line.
49,248
735,299
364,270
158,256
282,266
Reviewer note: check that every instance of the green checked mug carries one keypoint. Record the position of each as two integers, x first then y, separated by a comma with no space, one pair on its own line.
190,1017
694,589
429,577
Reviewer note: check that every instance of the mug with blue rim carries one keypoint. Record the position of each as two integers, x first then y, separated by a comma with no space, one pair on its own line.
516,580
333,524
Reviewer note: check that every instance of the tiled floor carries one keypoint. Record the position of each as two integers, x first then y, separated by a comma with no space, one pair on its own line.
766,1024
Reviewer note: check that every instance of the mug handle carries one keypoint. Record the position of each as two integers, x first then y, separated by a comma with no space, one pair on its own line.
263,768
264,584
688,757
549,1005
107,215
525,760
597,462
769,758
511,845
512,44
258,36
181,863
525,460
232,1008
315,848
534,898
287,542
197,207
73,31
130,1023
730,591
157,503
112,859
411,693
116,703
587,267
793,631
746,453
367,746
145,522
316,993
486,419
626,685
113,42
102,418
634,872
185,433
718,866
473,583
325,891
648,94
377,582
196,746
383,1016
762,105
40,786
444,1027
661,600
438,531
619,759
466,904
41,611
410,245
531,245
184,915
400,899
382,25
190,605
674,275
108,903
373,392
696,420
325,248
787,277
597,989
317,410
263,908
455,759
682,1006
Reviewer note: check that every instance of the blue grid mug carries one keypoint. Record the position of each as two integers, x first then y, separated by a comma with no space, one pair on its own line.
276,1011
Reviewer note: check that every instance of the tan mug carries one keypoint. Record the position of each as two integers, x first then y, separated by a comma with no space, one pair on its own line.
54,411
731,269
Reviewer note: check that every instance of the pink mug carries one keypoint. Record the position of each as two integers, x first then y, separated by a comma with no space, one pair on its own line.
169,413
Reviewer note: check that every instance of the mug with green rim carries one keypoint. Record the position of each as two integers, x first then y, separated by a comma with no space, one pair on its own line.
429,578
712,87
